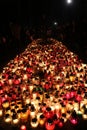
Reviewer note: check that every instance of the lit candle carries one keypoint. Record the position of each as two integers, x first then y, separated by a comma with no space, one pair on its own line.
12,105
31,88
19,113
42,120
8,111
23,127
60,123
25,77
74,121
85,114
63,109
73,118
76,106
32,112
55,119
10,81
49,113
34,122
24,115
15,119
7,118
34,95
19,104
5,104
27,101
49,125
1,112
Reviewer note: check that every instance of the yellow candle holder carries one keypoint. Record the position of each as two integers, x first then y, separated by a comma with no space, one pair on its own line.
19,113
8,111
1,112
42,120
15,121
12,105
5,104
7,118
19,104
84,116
24,115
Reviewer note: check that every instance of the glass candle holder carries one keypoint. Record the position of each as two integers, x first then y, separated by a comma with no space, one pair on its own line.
85,114
49,113
34,123
55,119
31,88
1,112
19,104
34,95
73,118
10,81
24,115
74,121
43,107
12,112
19,113
32,112
76,106
15,119
49,125
63,109
7,118
27,101
68,114
42,120
12,105
8,110
23,127
61,123
5,104
25,77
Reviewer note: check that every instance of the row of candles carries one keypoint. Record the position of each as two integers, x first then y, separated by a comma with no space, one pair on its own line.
40,87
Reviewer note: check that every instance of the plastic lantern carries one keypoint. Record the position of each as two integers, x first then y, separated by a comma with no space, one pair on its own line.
73,121
49,113
23,127
73,118
50,125
42,120
24,115
60,124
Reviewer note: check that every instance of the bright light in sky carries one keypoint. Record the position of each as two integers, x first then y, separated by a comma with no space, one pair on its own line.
55,23
69,1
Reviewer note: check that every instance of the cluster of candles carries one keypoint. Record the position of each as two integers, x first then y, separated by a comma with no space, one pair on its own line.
45,86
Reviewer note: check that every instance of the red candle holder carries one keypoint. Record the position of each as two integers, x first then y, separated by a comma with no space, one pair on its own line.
73,121
23,127
50,124
49,113
60,124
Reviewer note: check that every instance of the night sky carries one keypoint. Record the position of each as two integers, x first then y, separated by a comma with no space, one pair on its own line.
33,11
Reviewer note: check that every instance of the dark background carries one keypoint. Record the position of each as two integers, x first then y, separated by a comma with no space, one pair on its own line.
33,11
16,15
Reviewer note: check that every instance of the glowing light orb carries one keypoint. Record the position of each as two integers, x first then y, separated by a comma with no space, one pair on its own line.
55,23
69,1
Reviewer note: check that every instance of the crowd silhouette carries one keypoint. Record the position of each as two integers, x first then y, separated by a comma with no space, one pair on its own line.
14,37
